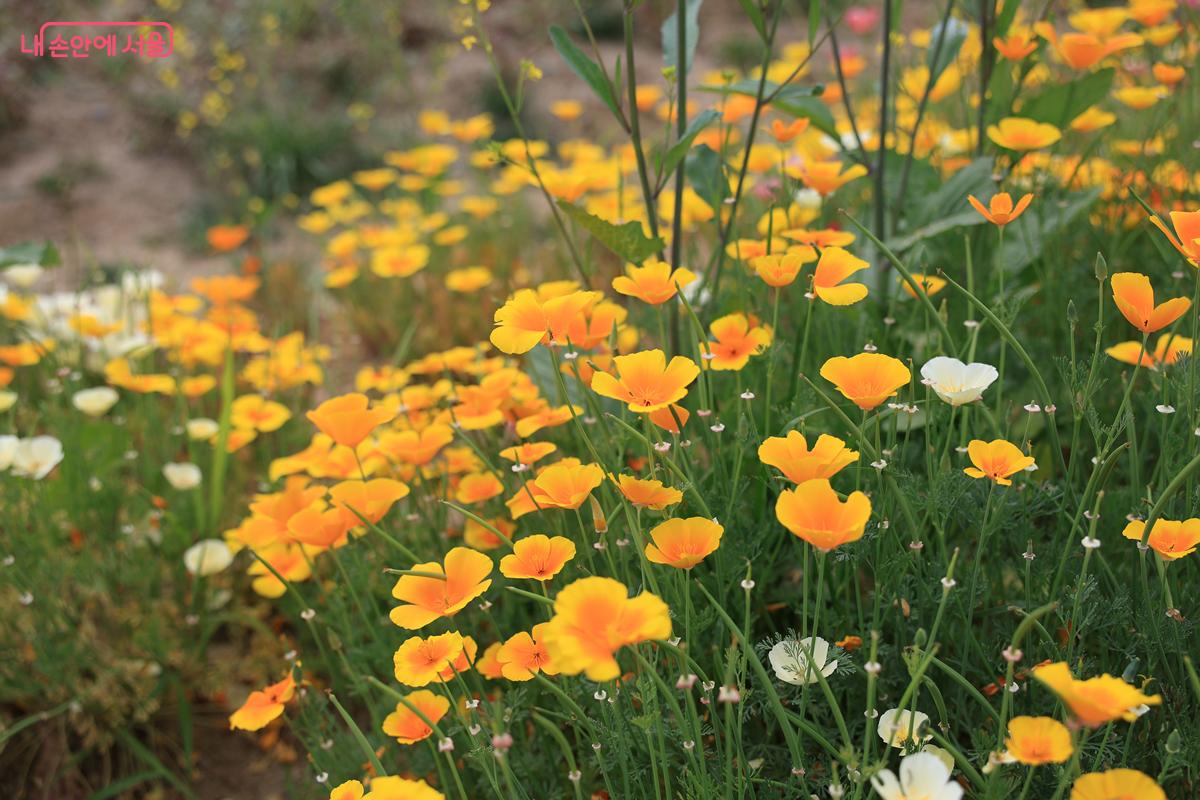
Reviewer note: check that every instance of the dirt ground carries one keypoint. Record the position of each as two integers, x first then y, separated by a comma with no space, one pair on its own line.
80,174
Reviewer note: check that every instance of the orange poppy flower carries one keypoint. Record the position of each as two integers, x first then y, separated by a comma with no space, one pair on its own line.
825,177
593,619
537,557
263,706
670,418
1169,74
1134,297
654,282
929,284
319,527
826,237
1170,539
648,493
221,290
1020,134
371,499
1094,701
417,447
784,133
406,726
255,412
561,485
781,270
834,267
996,460
1167,351
1186,238
464,577
419,662
288,560
647,382
866,379
525,320
683,543
1015,46
224,238
1084,50
737,338
487,665
350,790
1117,784
546,418
1038,740
477,488
481,537
528,453
1000,210
813,512
524,655
791,456
347,419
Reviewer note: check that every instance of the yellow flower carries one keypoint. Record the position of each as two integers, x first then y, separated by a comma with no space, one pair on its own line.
834,266
1094,701
1117,784
654,282
537,557
594,618
737,338
791,456
648,493
419,662
813,512
996,460
1038,740
647,382
866,379
1171,540
683,543
406,725
1017,133
463,577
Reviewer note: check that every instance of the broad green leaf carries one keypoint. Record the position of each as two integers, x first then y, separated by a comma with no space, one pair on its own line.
1063,102
1026,239
679,150
961,219
951,198
814,20
755,16
584,67
706,175
670,35
627,241
43,253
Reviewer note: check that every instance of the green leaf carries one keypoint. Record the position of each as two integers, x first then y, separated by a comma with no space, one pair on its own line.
679,150
670,35
756,17
814,20
706,175
962,219
951,198
812,108
627,241
1028,237
584,67
1063,102
43,253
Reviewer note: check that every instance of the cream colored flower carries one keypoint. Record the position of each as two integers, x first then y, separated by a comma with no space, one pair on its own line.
95,402
182,476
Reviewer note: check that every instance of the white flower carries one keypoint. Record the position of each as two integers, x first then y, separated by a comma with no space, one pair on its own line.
8,450
23,275
900,727
7,400
955,382
202,429
790,661
34,458
182,475
207,557
922,775
95,402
